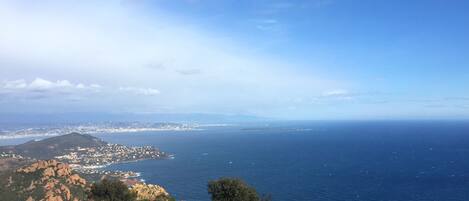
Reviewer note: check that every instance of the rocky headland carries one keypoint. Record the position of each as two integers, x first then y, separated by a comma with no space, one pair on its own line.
51,180
45,180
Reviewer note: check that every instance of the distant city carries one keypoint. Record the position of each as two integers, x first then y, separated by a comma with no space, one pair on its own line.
94,128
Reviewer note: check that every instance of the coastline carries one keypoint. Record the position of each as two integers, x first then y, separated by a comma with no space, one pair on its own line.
41,135
123,175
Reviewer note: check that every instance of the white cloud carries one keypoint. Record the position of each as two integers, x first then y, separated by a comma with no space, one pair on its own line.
40,84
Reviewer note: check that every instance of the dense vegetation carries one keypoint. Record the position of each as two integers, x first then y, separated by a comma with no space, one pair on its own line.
111,190
115,190
232,189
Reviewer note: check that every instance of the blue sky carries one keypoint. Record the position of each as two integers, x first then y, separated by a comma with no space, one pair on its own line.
316,59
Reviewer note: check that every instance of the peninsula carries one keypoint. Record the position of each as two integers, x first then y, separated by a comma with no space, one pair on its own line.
83,152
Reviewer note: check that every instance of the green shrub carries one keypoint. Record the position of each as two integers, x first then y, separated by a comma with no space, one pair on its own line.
111,190
231,189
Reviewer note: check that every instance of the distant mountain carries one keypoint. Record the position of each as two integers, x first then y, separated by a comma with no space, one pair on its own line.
50,147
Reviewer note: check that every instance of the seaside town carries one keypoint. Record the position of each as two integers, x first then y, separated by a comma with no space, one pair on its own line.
95,157
10,155
91,160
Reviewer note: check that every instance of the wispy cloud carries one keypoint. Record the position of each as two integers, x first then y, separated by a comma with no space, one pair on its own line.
42,88
266,24
156,66
130,51
140,91
277,7
265,21
456,98
22,91
336,93
290,6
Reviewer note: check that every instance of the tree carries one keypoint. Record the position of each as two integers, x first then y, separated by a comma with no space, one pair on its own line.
231,189
111,190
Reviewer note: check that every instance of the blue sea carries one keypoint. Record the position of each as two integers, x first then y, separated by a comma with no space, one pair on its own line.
323,161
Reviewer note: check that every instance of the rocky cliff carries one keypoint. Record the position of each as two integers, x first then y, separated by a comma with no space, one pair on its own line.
47,180
150,192
50,180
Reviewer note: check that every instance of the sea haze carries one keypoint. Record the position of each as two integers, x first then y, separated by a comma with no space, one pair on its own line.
341,161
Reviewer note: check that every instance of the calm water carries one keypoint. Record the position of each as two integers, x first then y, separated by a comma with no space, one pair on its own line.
341,161
385,161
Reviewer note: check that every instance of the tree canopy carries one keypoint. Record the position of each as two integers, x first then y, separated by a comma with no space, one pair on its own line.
111,190
231,189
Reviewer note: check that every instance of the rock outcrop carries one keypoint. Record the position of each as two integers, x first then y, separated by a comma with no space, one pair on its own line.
150,192
48,180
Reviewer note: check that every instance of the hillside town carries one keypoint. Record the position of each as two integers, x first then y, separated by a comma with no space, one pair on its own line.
95,157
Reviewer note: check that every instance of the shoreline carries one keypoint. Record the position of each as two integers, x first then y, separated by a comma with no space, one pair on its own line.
101,169
11,137
94,167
